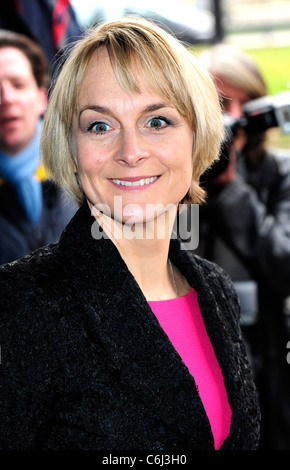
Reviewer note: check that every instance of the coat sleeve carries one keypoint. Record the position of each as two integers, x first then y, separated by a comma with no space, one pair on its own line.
258,234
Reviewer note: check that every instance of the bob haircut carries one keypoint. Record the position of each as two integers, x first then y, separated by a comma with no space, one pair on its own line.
168,68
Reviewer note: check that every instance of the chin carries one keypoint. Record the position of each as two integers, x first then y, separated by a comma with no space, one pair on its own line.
136,217
154,218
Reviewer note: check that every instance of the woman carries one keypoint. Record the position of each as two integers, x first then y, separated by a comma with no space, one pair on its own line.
98,363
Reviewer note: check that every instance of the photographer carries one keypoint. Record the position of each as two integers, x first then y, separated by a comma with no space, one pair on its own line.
245,227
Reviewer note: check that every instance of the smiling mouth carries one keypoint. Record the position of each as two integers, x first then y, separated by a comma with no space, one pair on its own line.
139,182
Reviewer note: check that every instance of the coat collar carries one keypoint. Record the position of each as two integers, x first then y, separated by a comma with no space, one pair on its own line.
122,321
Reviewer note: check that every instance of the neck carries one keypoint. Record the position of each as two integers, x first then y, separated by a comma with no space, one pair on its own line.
148,262
144,248
24,163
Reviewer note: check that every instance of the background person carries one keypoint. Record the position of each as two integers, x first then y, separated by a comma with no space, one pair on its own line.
90,357
33,212
245,228
50,23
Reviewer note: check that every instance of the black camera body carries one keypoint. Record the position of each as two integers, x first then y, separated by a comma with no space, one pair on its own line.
258,116
267,112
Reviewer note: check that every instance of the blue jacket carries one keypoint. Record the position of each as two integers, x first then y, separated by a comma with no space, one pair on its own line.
17,234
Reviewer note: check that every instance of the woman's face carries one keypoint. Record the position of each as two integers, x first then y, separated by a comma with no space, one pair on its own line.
133,151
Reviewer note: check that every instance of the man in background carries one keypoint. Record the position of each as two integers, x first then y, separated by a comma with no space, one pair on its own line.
33,212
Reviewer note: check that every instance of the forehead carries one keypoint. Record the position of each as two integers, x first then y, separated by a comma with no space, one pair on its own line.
100,79
98,68
129,83
15,61
230,90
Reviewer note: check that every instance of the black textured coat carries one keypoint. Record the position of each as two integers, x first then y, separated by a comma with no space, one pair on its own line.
86,365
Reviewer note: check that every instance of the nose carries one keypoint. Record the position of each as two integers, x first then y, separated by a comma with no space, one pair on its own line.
7,93
235,108
132,148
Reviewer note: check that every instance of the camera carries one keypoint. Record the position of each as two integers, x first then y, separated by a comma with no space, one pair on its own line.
258,116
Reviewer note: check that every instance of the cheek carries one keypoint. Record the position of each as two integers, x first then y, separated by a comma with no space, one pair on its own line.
187,167
34,105
186,179
89,167
184,156
87,159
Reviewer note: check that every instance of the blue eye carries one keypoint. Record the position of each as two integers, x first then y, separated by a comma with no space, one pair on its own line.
98,127
158,123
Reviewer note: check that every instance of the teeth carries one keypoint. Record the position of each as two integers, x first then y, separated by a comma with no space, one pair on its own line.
141,182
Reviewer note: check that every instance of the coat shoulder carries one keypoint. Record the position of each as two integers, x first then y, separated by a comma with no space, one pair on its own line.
30,266
216,283
211,271
24,281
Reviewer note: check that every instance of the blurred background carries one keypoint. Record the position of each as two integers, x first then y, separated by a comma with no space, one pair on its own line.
261,28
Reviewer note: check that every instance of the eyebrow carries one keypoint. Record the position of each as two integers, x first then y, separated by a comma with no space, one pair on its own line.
98,109
155,107
104,110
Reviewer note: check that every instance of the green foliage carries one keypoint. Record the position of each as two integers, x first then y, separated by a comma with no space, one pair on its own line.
274,63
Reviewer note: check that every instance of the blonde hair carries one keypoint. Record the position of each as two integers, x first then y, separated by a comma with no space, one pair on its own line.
170,70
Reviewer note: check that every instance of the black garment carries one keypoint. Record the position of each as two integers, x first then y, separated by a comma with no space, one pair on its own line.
39,19
17,235
245,228
86,365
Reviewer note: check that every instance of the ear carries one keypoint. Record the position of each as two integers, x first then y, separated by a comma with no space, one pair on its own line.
75,166
73,152
42,100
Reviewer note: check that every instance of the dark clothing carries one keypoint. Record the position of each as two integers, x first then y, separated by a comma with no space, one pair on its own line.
51,23
86,365
17,234
245,228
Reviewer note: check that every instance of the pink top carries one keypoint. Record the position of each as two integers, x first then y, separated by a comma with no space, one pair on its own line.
182,321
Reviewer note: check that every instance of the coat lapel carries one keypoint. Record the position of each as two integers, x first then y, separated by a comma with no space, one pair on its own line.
220,310
148,362
122,322
125,326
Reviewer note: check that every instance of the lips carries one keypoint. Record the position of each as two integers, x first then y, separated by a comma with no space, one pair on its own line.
8,121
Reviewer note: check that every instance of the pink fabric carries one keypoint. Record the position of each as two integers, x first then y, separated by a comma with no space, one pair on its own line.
182,321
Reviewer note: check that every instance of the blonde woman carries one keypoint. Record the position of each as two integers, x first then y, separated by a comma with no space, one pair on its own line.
123,340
